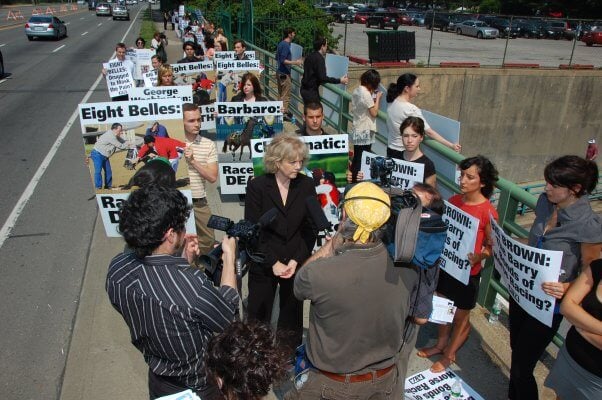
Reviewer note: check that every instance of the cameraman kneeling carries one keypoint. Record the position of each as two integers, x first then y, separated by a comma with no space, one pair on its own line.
171,309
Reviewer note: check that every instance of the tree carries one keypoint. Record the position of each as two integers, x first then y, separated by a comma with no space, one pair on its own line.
490,6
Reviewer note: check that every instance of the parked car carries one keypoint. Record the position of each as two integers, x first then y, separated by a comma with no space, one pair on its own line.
457,19
383,19
360,17
593,36
417,18
121,12
505,28
529,29
340,14
558,30
437,20
478,29
40,26
103,9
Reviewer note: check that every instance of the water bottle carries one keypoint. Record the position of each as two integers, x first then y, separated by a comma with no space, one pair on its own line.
494,315
456,390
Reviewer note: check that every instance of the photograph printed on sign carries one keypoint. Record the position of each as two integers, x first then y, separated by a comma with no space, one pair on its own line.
201,75
523,270
404,174
229,76
237,124
142,61
462,229
327,166
116,146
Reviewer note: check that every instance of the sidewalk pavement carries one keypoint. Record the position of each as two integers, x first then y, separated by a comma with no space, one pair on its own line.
103,364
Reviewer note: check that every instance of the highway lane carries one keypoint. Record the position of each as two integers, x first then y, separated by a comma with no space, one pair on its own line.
43,261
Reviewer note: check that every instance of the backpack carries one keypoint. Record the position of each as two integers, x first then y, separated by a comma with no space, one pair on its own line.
431,239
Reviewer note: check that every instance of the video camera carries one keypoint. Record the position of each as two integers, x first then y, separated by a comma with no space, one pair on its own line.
247,234
381,169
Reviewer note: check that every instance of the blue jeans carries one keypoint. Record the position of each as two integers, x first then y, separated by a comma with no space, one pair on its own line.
101,163
222,92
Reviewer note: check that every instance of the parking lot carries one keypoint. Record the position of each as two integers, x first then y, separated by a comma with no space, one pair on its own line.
450,47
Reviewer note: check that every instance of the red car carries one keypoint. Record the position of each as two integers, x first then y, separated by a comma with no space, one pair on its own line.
360,18
592,37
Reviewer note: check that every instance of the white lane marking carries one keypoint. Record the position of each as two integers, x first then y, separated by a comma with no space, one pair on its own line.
83,18
100,24
3,44
85,33
58,48
31,186
28,192
3,80
67,23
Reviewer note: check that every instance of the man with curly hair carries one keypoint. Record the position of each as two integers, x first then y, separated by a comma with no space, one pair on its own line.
171,309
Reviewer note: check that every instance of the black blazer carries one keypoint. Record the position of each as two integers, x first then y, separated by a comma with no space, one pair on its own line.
291,235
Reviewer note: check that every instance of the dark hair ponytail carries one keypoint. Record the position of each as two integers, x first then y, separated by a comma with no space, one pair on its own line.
395,89
570,171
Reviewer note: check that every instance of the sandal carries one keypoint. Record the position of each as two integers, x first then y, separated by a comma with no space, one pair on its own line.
427,352
441,365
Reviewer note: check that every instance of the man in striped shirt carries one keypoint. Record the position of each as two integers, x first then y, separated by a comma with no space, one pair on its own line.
201,157
171,309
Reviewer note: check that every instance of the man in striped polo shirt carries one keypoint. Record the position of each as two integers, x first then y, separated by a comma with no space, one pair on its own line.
171,309
201,157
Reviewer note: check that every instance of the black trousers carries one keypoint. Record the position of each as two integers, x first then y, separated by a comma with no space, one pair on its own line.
310,95
159,386
394,153
528,340
262,290
356,163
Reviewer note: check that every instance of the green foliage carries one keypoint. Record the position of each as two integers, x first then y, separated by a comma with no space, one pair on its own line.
147,28
490,6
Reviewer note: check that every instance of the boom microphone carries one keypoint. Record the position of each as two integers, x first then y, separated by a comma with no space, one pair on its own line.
317,215
267,218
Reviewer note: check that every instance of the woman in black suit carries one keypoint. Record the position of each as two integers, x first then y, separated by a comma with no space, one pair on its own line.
287,242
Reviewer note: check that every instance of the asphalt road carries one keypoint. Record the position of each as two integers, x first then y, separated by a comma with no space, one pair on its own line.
43,258
448,46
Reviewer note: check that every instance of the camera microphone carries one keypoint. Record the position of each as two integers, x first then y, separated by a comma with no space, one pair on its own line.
317,215
267,218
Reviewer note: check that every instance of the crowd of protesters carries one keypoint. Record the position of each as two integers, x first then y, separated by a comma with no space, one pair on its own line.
360,297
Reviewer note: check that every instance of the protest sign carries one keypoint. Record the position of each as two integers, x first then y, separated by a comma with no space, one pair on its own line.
233,177
231,55
142,61
327,165
461,238
207,117
162,92
523,269
119,78
201,72
296,53
336,67
150,78
443,310
436,386
112,162
238,65
404,175
257,119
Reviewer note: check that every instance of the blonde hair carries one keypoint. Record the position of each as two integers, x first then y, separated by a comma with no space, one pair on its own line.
164,69
285,146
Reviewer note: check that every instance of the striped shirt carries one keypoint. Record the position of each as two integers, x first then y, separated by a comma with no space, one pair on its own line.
172,311
205,152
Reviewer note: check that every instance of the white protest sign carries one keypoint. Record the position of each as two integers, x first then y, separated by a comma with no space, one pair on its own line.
253,109
142,61
296,53
233,177
336,67
230,55
133,111
207,117
150,78
324,144
191,68
119,78
523,269
443,310
238,65
162,92
461,238
436,386
404,175
110,203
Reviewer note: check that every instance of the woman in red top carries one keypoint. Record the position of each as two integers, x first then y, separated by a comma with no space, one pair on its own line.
477,179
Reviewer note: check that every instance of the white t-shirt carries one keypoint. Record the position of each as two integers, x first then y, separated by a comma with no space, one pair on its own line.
397,112
363,122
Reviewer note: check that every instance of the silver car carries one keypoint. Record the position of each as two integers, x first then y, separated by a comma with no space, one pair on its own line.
477,29
103,9
121,12
40,26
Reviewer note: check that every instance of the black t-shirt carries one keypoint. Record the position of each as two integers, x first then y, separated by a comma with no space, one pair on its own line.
429,166
588,356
